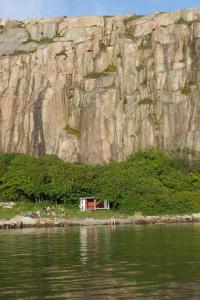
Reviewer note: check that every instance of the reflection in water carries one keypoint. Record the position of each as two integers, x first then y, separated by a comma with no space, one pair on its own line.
83,244
158,262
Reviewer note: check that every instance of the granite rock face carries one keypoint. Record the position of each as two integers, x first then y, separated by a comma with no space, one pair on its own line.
96,89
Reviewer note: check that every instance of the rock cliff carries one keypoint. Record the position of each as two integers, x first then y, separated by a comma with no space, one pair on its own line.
95,89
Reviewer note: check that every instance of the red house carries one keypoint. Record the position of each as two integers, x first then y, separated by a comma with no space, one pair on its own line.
91,203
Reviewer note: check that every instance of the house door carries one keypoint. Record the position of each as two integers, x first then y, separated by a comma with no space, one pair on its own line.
90,204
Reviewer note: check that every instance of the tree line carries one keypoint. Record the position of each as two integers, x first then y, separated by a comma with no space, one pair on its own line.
150,181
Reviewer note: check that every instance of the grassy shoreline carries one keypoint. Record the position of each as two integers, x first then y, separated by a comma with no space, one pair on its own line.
70,213
22,208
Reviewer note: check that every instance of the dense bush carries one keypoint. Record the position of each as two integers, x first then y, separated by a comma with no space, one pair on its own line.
150,181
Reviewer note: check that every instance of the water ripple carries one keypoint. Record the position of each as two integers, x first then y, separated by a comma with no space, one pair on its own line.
155,262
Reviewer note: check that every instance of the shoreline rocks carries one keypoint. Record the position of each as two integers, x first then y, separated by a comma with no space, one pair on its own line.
27,222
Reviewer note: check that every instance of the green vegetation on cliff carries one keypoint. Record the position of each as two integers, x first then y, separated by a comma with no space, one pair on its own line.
149,181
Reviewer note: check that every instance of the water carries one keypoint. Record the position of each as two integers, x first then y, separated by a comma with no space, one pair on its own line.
153,262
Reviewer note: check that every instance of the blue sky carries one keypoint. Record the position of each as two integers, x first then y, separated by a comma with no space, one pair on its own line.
21,9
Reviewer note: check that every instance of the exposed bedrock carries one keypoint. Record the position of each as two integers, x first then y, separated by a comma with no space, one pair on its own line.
96,89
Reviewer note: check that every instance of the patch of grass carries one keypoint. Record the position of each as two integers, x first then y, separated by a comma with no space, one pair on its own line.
183,21
45,40
110,69
19,52
29,40
74,212
145,46
6,213
129,35
131,18
72,131
19,208
20,25
139,68
144,82
153,119
186,90
145,101
22,207
42,41
193,82
93,75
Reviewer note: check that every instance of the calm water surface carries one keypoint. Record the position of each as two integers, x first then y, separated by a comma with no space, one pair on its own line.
153,262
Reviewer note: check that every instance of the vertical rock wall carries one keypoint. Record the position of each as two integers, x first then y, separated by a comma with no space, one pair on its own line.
95,89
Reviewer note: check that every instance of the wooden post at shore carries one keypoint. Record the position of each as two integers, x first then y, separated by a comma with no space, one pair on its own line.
112,222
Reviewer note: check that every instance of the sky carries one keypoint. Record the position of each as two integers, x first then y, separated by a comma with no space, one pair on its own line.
23,9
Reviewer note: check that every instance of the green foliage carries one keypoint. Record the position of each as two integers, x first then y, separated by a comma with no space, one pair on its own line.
5,160
45,40
29,40
110,69
186,90
193,82
93,75
183,21
42,41
154,120
26,182
131,18
150,181
145,101
144,82
145,45
72,131
129,35
20,25
139,68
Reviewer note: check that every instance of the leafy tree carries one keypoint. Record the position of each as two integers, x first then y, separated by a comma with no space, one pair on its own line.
150,181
